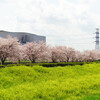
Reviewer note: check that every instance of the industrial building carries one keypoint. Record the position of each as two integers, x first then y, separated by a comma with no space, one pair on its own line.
23,37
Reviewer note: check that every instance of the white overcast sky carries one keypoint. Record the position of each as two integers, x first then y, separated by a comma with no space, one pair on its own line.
63,22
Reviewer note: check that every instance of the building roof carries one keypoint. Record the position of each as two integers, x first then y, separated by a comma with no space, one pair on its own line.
19,32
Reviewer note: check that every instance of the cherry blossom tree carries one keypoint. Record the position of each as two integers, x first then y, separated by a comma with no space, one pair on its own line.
70,54
11,49
35,51
78,56
91,55
19,54
58,54
7,48
45,52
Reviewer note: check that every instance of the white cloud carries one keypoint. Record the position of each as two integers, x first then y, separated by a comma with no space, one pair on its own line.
58,20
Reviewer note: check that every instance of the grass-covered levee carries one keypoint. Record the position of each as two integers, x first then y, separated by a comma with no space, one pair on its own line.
52,83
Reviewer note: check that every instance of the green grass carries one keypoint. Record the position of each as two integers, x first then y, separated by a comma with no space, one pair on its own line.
55,83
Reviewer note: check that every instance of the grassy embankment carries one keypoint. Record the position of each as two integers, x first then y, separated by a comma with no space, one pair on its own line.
56,83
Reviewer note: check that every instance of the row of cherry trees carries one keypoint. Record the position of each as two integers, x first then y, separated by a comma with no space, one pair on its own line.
12,50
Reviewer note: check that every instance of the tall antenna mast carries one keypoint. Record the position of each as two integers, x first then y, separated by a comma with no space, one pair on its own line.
97,39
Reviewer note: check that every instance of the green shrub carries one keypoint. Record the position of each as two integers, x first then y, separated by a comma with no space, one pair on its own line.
30,64
61,64
12,65
50,64
2,66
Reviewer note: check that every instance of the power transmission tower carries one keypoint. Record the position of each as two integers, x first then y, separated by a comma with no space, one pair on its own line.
97,39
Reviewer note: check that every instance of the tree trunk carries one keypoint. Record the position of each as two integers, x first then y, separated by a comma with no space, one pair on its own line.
67,59
54,61
18,61
2,62
33,61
